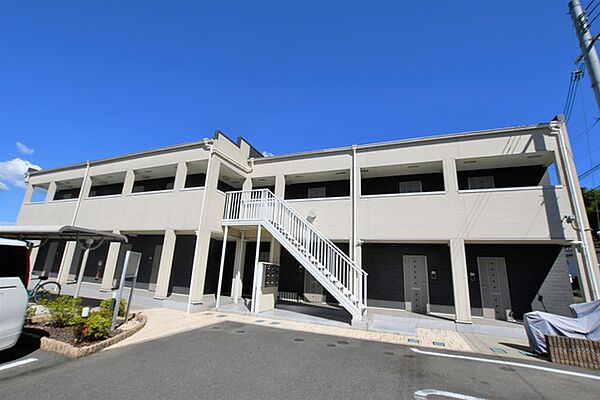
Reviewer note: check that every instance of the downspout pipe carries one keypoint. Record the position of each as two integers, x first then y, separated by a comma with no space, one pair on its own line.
585,247
80,197
354,203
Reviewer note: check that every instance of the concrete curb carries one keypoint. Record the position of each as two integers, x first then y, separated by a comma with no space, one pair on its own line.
71,351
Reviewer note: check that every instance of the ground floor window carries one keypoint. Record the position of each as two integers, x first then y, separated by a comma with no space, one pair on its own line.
49,258
151,248
183,261
213,265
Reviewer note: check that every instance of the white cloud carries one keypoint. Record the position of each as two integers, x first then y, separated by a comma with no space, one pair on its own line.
13,172
23,149
267,154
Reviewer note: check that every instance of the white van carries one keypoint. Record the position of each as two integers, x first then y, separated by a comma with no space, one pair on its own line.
14,276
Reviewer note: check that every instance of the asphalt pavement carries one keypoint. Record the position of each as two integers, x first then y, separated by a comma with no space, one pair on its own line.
233,360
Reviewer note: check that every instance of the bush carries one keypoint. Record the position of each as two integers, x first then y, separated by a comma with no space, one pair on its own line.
29,313
105,307
65,311
96,327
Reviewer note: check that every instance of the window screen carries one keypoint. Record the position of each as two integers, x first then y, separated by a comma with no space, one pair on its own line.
410,187
316,192
481,182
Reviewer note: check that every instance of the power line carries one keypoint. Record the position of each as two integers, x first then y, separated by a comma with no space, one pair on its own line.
576,76
589,24
590,171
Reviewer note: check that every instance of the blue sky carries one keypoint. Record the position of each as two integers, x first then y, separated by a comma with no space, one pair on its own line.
86,80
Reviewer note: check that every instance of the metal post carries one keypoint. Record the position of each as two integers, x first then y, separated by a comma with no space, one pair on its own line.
113,325
586,42
81,272
129,298
222,266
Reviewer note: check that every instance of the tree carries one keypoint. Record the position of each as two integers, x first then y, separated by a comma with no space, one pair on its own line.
591,198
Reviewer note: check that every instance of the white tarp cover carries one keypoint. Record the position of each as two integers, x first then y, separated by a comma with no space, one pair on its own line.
583,309
539,324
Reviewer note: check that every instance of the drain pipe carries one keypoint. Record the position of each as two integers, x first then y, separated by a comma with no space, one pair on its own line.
354,202
585,247
85,178
211,151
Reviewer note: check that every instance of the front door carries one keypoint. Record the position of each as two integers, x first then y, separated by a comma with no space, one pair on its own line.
416,287
495,296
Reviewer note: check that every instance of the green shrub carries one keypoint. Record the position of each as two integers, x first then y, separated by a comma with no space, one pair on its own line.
105,307
65,311
29,313
96,327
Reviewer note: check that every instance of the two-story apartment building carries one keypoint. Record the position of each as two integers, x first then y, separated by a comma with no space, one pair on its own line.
468,224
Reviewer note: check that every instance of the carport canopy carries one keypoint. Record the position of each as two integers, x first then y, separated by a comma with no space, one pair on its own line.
87,239
57,232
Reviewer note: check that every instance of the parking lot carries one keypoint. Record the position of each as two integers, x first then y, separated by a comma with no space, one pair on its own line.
227,359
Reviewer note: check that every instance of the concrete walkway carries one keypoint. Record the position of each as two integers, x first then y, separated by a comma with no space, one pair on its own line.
165,322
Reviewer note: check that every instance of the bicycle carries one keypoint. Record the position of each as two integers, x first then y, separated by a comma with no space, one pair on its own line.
49,290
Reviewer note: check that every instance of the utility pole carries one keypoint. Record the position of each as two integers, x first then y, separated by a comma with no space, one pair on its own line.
587,44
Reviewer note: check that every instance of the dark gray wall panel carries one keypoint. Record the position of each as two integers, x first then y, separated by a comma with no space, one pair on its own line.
528,268
383,263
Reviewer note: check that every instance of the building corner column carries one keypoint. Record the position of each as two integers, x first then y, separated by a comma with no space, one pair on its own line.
166,263
51,192
275,249
460,281
203,234
111,265
180,175
450,176
66,262
128,183
238,265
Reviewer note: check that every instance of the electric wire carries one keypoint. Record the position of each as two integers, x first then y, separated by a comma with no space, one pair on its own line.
572,91
589,172
589,4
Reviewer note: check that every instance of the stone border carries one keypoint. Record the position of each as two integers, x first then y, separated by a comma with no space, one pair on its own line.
71,351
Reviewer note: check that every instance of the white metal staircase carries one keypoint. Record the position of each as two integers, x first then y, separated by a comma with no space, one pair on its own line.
334,270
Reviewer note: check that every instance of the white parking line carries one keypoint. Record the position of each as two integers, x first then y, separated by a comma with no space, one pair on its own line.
17,363
512,364
422,394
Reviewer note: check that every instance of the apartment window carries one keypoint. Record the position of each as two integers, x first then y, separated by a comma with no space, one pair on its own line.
107,185
154,179
481,182
39,194
410,187
106,189
319,191
195,180
151,185
68,193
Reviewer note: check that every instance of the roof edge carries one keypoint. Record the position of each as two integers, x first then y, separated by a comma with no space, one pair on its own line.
158,150
391,143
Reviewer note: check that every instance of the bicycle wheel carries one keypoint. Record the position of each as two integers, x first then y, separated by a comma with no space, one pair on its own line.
48,291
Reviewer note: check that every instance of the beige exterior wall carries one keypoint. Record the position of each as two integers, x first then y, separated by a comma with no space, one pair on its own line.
517,214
